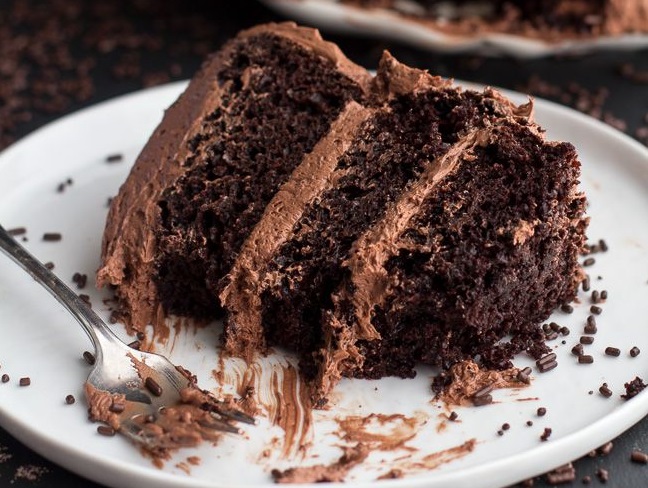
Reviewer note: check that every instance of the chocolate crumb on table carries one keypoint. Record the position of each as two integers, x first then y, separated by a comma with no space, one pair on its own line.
25,381
605,449
639,457
603,475
563,474
29,472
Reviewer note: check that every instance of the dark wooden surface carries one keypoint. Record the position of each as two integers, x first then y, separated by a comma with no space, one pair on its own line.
131,44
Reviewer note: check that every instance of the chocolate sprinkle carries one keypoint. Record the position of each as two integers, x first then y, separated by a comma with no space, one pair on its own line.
596,310
577,350
117,407
596,297
70,399
5,378
482,400
606,448
106,430
586,283
605,391
453,416
523,375
80,279
602,475
153,386
546,359
633,388
89,357
25,381
634,352
586,339
563,474
541,411
17,231
613,351
589,262
567,308
639,457
52,236
585,359
547,366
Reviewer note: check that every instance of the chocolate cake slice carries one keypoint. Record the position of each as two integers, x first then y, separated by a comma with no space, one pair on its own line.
366,223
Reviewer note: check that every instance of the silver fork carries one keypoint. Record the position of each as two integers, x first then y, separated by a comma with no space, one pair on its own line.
139,386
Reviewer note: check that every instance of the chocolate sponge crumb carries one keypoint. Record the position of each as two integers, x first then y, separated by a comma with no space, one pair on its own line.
633,388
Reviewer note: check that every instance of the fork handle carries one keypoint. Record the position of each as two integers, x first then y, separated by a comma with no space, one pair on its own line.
93,325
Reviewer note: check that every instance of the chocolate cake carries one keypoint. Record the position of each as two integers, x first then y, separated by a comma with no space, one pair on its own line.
367,223
550,19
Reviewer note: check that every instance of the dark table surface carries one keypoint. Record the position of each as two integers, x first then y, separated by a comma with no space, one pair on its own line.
59,56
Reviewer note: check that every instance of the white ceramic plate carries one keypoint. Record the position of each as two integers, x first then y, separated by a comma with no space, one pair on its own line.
41,341
333,16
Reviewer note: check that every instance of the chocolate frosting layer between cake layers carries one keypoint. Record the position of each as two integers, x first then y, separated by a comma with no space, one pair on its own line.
241,296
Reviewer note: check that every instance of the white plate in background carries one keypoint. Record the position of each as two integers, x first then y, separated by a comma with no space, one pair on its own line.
332,16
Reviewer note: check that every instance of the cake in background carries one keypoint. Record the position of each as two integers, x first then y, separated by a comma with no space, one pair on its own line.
549,19
367,223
